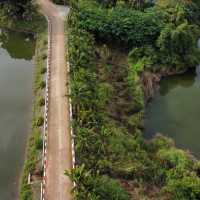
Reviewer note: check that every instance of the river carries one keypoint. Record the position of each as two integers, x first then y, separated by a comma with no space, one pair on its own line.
175,111
16,78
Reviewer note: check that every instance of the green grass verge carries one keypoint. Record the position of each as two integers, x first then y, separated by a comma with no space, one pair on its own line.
33,160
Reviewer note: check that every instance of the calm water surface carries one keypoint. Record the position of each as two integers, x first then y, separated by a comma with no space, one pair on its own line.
175,111
16,75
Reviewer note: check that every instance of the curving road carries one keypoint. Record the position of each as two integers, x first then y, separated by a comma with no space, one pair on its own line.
59,157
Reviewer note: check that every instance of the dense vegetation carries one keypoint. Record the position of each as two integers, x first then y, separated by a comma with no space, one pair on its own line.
18,9
120,24
113,160
163,35
21,15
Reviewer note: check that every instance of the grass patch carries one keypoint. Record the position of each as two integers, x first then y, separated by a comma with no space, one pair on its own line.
34,147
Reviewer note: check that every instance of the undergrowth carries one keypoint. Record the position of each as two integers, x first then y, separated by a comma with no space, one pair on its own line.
108,103
33,160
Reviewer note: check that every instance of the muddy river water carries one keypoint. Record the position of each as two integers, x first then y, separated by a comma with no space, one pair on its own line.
16,78
175,111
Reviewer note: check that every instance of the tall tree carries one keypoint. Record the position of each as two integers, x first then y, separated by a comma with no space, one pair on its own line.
19,8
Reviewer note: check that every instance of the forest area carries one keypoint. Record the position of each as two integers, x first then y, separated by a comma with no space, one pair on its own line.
119,51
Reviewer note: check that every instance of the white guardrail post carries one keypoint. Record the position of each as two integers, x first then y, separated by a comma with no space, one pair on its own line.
45,130
71,117
71,120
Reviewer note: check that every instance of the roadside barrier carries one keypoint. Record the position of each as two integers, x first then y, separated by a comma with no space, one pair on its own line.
71,120
71,113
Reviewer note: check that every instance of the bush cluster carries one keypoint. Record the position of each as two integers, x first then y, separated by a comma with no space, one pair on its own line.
107,152
122,25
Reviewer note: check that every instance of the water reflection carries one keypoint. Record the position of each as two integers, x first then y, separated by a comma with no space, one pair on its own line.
24,44
175,111
16,75
175,81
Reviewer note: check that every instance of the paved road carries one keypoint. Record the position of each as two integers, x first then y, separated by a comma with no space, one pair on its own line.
59,140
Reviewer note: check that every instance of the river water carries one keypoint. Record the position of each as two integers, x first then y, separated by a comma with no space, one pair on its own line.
16,77
175,111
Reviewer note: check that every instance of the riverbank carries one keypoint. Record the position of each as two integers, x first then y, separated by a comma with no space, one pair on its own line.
30,186
150,81
33,171
175,93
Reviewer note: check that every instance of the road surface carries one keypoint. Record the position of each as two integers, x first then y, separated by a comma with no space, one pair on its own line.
59,157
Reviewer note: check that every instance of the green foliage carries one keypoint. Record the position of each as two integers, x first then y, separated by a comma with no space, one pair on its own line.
41,101
100,145
176,46
161,142
180,10
135,4
39,83
39,121
87,96
83,180
134,28
109,189
95,187
173,158
22,16
35,143
107,149
38,141
184,188
144,58
135,88
19,9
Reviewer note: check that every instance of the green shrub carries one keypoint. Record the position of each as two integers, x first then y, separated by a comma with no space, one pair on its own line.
95,187
184,188
174,158
44,57
41,101
39,121
107,149
43,70
38,141
109,189
131,27
161,142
